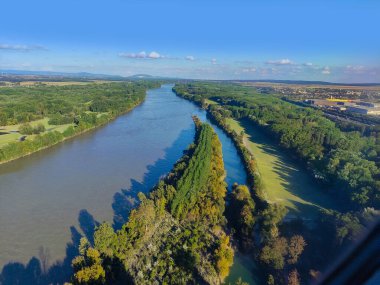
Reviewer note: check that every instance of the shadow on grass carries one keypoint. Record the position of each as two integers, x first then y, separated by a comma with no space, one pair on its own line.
304,195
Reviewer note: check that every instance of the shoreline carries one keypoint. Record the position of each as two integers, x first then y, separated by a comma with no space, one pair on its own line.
72,136
253,175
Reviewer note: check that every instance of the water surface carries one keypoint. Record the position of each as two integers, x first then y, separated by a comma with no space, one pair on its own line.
48,196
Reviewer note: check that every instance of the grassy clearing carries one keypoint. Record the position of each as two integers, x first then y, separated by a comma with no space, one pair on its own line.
12,135
284,181
210,102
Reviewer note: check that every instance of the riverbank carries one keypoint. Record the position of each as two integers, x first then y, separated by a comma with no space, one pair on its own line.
253,175
282,180
61,136
56,185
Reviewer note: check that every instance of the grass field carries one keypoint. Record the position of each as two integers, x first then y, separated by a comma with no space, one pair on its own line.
11,134
284,181
210,102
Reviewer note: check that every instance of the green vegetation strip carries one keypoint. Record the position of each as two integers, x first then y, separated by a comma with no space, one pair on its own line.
155,247
47,115
267,131
194,179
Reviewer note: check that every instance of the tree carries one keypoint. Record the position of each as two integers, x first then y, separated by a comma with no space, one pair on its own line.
241,214
25,129
40,128
104,239
240,282
293,277
274,253
296,247
88,266
270,280
271,217
224,256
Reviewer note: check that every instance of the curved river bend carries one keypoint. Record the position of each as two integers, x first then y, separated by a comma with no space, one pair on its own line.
44,195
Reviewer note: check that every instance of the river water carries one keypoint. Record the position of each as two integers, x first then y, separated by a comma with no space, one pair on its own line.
48,196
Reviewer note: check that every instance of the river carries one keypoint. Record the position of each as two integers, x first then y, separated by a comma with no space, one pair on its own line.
49,196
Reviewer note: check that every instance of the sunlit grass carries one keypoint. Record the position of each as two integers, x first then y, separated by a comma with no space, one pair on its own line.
12,134
284,181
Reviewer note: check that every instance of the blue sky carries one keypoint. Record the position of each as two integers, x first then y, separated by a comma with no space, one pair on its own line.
331,40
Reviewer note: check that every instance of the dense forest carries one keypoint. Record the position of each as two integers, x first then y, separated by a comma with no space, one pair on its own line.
176,235
82,106
346,163
345,160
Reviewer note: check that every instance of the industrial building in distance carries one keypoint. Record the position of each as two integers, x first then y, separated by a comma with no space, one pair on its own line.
355,106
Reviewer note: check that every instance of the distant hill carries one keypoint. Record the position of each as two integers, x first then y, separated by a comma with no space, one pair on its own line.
12,75
151,77
83,75
75,75
141,76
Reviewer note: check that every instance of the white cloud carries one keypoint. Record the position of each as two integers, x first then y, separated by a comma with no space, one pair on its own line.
284,61
249,70
154,55
21,47
142,55
357,69
213,61
190,57
308,64
326,70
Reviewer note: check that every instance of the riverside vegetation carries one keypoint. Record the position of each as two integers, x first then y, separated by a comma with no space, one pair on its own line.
182,231
346,163
77,108
177,233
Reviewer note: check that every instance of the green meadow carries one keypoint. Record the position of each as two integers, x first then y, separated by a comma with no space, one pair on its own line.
284,180
10,133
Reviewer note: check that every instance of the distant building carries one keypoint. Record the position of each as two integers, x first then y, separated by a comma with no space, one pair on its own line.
363,110
322,103
367,104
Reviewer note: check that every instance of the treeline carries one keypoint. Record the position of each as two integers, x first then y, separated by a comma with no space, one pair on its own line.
27,129
73,105
366,125
286,251
343,161
25,104
256,223
176,234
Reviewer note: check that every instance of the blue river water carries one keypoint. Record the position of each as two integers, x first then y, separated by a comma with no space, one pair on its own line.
49,197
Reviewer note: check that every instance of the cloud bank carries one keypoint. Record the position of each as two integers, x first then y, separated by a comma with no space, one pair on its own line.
22,48
284,61
142,55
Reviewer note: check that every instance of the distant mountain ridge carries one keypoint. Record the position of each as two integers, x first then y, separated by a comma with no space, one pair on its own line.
82,75
56,73
93,76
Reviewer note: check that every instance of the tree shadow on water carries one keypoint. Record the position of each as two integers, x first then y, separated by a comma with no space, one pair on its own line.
33,273
126,200
37,270
87,224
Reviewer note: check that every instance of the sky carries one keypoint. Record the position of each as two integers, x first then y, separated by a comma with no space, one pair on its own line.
329,40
